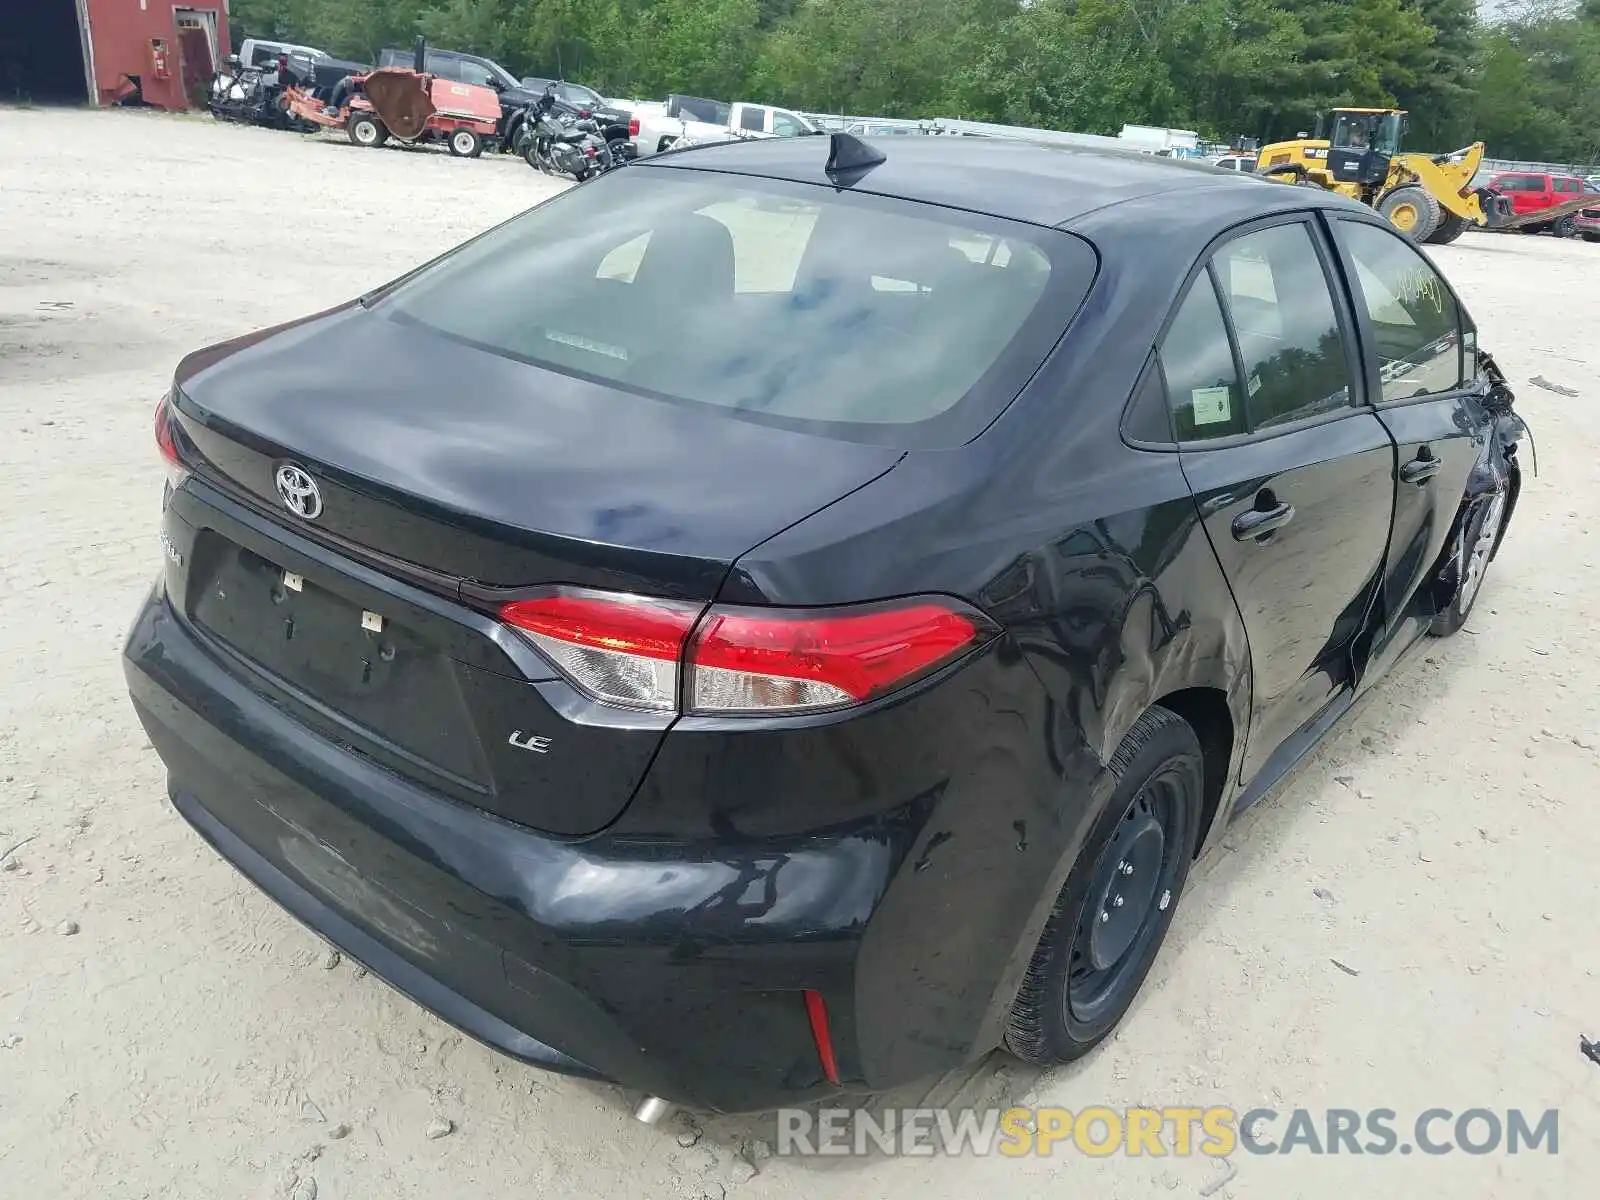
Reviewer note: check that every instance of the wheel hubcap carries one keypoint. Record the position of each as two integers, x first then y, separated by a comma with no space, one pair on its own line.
1404,217
1126,892
1131,888
1482,547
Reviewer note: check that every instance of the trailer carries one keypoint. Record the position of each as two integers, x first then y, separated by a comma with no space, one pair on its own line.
410,106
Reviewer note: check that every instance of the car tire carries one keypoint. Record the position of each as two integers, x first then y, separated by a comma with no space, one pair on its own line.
1412,210
1473,548
1117,903
1451,226
466,143
1591,237
366,130
1564,227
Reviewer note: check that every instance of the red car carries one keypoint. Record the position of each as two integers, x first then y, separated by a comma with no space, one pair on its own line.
1533,192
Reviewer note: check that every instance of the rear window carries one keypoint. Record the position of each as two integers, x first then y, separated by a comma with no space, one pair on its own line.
850,315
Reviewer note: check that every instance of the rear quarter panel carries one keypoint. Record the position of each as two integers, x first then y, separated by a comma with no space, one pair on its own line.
1091,556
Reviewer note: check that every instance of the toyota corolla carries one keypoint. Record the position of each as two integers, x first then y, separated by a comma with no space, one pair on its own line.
784,619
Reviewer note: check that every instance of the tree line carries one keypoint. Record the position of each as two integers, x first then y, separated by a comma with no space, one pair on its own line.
1527,81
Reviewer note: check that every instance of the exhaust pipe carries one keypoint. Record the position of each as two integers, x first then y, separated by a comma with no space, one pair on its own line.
652,1110
419,59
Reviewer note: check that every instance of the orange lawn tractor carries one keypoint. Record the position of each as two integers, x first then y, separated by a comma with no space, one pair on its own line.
411,106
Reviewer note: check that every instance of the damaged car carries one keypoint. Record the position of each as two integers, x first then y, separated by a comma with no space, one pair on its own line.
782,621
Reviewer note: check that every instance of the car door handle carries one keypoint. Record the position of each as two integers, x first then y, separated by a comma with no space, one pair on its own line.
1419,470
1257,523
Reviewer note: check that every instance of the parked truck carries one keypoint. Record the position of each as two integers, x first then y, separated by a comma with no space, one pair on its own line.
694,120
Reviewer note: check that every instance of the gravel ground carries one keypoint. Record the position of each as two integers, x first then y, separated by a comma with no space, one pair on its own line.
166,1031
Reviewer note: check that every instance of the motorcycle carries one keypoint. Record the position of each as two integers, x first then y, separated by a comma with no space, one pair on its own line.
557,140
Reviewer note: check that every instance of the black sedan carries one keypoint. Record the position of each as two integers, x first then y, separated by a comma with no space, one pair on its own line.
784,620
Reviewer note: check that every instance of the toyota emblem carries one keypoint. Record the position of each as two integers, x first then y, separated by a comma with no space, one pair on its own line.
299,492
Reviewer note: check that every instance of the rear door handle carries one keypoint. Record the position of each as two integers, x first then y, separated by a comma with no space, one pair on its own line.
1257,523
1419,470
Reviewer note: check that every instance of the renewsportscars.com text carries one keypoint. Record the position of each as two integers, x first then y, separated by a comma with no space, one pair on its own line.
1100,1132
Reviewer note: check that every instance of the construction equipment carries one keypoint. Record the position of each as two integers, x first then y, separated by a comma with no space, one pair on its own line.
412,105
1429,198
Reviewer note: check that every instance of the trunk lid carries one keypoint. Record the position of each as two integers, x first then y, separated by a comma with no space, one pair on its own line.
489,470
448,472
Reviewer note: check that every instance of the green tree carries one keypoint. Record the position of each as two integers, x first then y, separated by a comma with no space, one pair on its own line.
1527,85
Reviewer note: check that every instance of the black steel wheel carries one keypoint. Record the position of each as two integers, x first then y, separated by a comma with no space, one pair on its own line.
1114,910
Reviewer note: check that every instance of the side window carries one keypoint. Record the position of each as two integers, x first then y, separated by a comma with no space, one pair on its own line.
475,73
444,68
1289,339
1415,321
1197,360
785,125
751,118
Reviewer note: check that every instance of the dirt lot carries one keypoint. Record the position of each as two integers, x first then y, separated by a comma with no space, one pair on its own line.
166,1031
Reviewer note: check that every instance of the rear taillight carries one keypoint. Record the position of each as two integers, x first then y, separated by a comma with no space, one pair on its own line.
589,150
168,445
621,649
665,656
755,660
633,127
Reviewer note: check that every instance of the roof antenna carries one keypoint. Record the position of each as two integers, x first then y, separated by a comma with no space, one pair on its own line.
849,156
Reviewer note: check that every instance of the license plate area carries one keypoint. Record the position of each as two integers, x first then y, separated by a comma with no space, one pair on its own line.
296,628
372,671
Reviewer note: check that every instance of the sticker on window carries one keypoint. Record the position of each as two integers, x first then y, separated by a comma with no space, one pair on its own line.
1212,405
583,343
1255,384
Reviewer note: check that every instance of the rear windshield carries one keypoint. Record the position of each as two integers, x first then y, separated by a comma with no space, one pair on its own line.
849,315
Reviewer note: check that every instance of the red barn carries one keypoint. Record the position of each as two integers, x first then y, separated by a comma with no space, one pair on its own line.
108,51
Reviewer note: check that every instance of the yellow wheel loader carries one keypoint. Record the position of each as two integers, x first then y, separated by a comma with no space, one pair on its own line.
1429,198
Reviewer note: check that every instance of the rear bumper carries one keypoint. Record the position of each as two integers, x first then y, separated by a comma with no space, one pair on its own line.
674,966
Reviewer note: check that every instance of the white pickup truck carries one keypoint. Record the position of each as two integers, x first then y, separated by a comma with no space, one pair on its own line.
690,121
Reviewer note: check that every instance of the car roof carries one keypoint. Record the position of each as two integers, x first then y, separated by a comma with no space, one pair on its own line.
1023,181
